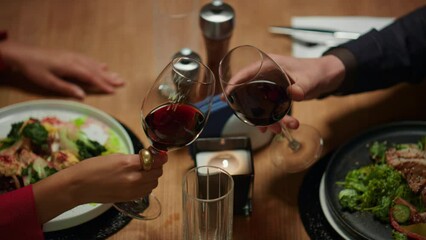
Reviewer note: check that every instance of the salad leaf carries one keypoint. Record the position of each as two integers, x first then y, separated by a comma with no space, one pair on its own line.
80,145
34,173
398,236
114,144
50,171
78,122
66,142
14,132
88,148
12,137
422,143
378,150
349,198
36,132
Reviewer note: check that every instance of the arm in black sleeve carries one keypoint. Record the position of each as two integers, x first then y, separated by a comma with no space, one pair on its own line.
380,59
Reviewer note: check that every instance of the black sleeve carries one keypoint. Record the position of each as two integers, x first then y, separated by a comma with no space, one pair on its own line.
380,59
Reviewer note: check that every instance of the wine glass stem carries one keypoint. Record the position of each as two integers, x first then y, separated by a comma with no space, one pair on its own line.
292,143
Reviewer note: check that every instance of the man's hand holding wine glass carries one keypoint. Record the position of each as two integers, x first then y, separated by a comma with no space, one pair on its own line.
259,91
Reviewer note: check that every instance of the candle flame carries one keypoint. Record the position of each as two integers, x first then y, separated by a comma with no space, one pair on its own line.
225,163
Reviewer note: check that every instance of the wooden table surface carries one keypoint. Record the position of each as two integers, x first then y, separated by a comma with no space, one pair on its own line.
119,33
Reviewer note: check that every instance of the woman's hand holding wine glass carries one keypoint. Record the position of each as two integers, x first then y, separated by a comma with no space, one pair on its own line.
172,121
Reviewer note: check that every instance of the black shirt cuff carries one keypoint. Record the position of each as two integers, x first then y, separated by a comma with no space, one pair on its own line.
349,61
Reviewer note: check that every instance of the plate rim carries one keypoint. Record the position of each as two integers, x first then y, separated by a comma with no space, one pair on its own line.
326,211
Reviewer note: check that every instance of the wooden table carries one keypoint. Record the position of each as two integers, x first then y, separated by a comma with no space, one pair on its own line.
119,33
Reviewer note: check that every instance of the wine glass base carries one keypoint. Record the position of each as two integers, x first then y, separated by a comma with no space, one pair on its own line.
146,208
311,144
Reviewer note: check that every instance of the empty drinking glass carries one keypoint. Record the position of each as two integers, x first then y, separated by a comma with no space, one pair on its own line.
208,199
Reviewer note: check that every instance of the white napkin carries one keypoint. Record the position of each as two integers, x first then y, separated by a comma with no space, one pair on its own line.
359,24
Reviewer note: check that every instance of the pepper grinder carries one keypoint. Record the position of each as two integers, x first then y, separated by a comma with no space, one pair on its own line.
217,24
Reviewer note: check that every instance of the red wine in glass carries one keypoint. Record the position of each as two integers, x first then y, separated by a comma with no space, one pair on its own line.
260,102
173,125
173,119
257,89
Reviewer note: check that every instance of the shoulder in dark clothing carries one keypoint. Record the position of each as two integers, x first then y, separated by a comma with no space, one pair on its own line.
380,59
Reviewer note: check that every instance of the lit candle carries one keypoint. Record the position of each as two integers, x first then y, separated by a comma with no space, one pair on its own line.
235,162
234,155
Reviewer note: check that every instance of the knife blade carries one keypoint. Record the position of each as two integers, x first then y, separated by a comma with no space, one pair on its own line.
292,31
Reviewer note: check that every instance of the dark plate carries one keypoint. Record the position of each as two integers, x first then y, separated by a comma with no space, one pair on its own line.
311,212
354,154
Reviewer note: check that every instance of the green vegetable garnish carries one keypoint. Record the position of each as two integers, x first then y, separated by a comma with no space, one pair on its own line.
377,151
114,144
79,121
80,145
12,137
422,143
36,132
14,132
398,236
88,148
373,188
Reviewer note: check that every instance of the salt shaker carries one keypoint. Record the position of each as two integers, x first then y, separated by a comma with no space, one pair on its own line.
217,24
188,70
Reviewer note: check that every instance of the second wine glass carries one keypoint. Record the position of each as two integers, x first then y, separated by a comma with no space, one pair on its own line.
174,120
258,91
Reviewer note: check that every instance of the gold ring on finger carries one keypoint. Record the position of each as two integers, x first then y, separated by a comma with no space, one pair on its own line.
146,159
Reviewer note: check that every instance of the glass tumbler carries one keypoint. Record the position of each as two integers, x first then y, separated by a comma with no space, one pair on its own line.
175,27
208,199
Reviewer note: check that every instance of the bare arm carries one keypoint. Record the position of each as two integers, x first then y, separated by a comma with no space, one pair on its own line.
63,72
105,179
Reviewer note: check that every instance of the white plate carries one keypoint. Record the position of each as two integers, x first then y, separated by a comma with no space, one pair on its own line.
66,111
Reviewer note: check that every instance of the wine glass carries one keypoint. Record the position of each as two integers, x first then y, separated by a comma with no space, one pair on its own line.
175,120
257,89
